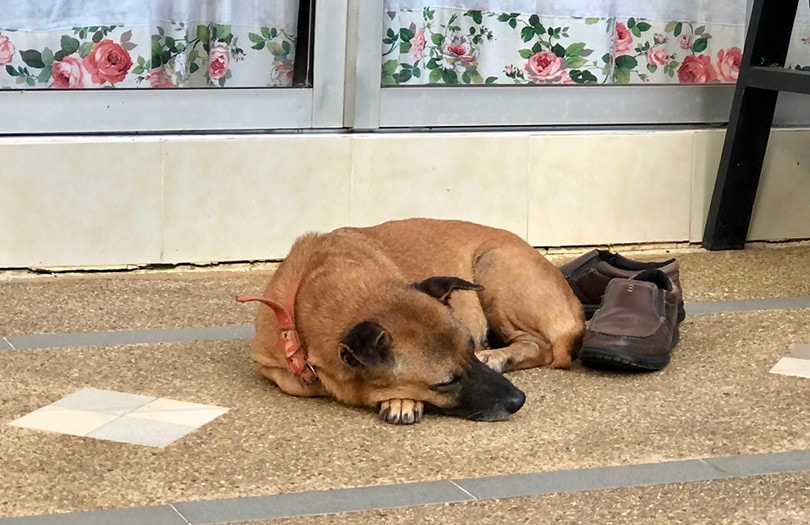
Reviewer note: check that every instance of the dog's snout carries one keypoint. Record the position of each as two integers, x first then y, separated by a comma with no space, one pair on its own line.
515,401
486,395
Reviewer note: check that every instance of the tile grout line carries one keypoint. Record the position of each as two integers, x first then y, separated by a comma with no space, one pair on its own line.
722,473
462,489
180,514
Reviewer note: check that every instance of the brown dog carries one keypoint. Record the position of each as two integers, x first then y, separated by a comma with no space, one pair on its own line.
407,312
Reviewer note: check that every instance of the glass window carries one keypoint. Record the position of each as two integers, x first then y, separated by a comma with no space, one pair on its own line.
48,44
645,63
528,42
127,66
575,42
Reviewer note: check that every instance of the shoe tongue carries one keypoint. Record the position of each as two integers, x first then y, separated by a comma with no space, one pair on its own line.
657,277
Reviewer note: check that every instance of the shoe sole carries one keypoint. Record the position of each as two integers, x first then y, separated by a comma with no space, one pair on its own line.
597,357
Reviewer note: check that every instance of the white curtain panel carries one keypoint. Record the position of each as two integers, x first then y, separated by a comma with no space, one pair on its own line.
147,43
570,41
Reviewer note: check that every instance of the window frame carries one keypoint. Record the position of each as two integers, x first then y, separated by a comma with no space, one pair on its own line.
346,94
633,105
195,109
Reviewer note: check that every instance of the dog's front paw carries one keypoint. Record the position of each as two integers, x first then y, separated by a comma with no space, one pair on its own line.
401,411
497,360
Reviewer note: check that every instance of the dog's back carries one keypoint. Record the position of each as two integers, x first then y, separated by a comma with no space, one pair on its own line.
524,295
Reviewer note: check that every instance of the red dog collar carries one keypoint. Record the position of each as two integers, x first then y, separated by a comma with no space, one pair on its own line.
294,353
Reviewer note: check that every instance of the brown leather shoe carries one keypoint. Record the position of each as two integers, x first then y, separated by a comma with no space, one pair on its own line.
589,274
636,326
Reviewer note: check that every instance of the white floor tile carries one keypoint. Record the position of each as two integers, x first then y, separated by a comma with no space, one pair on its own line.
63,420
141,432
103,401
178,412
799,351
792,366
122,417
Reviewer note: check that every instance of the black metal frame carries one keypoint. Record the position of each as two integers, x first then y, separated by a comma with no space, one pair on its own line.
302,68
762,76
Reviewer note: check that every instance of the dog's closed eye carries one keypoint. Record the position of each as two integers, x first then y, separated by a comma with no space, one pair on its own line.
446,385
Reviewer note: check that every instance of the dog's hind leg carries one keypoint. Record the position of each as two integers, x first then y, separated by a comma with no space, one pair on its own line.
530,308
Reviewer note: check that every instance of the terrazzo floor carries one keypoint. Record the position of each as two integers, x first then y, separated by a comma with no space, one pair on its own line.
130,398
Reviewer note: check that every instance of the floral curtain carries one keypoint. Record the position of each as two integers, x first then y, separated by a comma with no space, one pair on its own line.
71,44
570,42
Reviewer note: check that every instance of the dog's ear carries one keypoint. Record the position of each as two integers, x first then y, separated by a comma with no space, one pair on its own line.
442,287
366,345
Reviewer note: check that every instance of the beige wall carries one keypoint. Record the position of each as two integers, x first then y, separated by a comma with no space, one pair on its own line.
113,201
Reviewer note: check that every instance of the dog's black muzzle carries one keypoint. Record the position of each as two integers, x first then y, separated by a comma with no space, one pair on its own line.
485,395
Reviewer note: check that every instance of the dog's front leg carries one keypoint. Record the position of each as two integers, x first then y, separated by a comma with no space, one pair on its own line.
401,411
285,380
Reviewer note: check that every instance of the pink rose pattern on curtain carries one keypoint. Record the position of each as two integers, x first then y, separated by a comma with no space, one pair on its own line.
174,55
455,46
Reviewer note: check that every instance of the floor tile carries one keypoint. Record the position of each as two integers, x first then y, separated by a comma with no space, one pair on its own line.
321,502
178,412
758,464
141,432
103,401
126,337
63,420
799,351
792,366
159,514
122,417
588,479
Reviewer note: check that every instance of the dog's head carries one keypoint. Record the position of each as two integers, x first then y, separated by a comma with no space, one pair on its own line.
414,348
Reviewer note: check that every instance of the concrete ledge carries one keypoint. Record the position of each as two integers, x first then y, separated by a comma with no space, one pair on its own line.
227,198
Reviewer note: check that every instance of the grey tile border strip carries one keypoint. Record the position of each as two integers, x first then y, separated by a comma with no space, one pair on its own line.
747,305
157,515
233,332
127,337
597,478
320,502
436,492
759,464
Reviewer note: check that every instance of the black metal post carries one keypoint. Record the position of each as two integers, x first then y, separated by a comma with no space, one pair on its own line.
749,126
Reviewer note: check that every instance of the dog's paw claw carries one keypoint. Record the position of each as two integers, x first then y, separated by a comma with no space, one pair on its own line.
401,411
